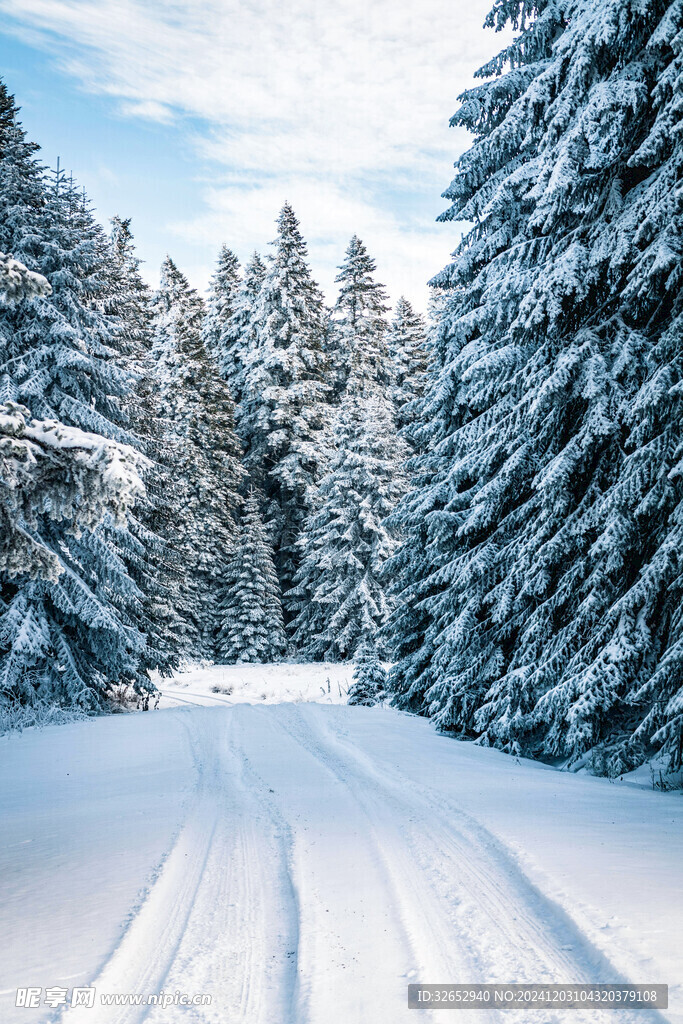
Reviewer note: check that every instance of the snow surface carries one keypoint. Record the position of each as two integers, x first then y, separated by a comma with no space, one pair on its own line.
257,684
302,862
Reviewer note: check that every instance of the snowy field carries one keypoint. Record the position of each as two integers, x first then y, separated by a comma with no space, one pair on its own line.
257,684
301,861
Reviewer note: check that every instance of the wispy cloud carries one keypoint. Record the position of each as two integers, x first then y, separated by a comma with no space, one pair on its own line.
340,107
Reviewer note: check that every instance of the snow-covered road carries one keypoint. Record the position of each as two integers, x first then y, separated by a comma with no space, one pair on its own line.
323,857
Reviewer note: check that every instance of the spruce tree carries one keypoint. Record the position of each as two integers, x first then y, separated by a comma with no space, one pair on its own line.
220,308
105,556
49,472
282,409
65,351
540,592
407,350
340,596
240,335
340,592
206,469
249,606
21,194
66,634
129,296
152,561
369,676
358,326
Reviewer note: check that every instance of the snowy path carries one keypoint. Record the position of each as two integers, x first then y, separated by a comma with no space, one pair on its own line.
314,874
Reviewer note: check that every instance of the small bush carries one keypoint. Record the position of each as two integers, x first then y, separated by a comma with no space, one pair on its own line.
16,717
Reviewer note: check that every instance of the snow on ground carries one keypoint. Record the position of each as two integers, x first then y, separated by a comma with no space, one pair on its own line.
257,684
301,862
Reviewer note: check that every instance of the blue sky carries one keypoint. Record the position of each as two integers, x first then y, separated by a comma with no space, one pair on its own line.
197,118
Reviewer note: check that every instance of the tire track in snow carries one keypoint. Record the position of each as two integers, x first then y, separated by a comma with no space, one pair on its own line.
428,928
309,883
242,929
174,695
292,1000
220,917
141,961
341,980
513,931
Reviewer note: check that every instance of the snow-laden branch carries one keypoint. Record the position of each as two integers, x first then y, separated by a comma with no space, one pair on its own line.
16,282
66,473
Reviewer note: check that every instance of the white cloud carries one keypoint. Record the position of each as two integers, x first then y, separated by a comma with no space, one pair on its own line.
405,251
334,105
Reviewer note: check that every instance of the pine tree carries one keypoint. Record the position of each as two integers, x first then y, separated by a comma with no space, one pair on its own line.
539,588
407,350
207,472
358,326
340,593
64,354
369,676
240,337
79,478
216,329
281,413
250,609
130,297
21,193
150,558
67,632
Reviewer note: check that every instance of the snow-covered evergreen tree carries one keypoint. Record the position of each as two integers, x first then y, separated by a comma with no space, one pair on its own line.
66,363
407,350
369,676
539,589
151,560
67,634
340,593
206,469
340,596
21,194
130,299
358,326
240,336
282,409
220,307
78,476
249,606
